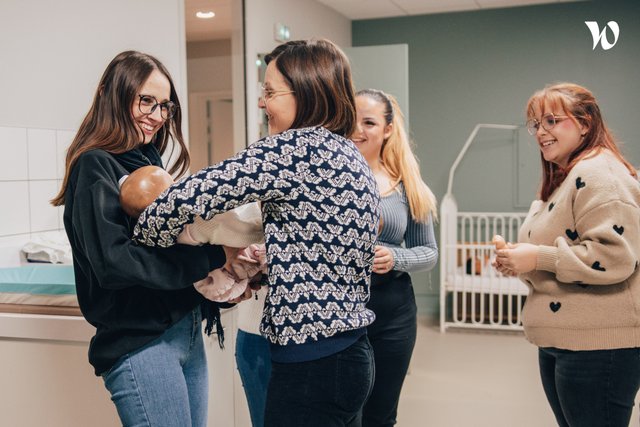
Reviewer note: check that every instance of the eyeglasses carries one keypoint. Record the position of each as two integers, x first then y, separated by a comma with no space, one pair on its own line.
268,94
148,104
548,121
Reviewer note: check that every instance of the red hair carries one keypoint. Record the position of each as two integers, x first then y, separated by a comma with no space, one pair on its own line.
581,106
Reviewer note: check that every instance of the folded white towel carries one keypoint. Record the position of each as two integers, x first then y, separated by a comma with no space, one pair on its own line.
53,248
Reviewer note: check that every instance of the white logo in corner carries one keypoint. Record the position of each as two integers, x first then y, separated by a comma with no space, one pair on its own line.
601,37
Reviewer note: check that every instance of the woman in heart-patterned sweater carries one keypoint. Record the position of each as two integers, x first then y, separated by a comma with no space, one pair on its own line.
578,252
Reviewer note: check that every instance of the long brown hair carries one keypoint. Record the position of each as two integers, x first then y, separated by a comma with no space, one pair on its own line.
398,159
109,124
319,74
581,106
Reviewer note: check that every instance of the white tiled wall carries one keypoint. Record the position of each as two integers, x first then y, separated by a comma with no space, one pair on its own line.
31,173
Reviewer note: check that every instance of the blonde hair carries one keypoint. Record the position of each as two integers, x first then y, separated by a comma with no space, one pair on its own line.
398,159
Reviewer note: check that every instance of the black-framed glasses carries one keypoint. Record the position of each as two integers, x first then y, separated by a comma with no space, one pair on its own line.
268,94
147,104
548,122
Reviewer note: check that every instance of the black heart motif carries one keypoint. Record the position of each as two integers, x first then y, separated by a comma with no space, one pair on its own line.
579,183
573,235
596,266
551,205
618,229
554,306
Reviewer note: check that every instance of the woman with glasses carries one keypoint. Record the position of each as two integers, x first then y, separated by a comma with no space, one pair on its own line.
148,345
578,251
406,243
320,215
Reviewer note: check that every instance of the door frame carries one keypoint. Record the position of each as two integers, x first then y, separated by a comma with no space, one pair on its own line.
197,143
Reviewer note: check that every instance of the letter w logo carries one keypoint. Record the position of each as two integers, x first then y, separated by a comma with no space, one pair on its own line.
602,36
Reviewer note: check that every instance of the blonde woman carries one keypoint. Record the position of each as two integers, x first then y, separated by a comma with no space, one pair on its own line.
406,243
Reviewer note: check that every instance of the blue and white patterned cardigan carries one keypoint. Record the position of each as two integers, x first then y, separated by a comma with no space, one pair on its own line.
320,215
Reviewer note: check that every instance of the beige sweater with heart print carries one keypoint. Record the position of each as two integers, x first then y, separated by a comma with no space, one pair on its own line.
585,291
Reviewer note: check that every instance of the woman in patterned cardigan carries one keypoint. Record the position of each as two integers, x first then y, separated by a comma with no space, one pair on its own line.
578,252
320,213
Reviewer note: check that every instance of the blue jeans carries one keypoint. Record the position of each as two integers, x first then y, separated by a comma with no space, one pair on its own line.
327,392
253,358
590,388
163,383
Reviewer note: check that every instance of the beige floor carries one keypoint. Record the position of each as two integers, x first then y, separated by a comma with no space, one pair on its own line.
474,379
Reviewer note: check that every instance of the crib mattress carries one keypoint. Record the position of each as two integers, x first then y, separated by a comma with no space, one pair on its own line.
486,284
38,289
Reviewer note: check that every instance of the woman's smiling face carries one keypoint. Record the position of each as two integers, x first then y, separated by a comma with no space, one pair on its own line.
277,100
371,128
559,134
158,87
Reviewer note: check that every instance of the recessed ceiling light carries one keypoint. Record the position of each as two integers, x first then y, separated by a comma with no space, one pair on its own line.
205,15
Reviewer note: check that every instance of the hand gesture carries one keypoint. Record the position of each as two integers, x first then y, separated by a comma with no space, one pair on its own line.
517,258
499,242
383,260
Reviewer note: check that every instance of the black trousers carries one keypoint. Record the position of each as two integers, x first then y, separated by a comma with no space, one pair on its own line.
327,392
590,388
392,336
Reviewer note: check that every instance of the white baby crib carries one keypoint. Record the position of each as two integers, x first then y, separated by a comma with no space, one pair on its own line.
472,293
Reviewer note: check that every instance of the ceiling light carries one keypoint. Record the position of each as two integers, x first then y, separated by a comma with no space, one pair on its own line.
205,15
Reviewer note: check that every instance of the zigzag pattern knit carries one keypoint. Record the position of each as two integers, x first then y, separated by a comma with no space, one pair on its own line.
320,214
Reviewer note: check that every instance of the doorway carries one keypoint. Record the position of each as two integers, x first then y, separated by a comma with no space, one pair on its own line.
210,128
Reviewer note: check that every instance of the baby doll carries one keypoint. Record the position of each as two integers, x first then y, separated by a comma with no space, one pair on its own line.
239,231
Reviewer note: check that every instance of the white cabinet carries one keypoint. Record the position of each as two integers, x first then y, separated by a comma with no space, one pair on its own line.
46,379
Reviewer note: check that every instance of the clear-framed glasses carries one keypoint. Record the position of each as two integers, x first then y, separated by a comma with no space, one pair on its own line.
268,94
147,104
548,121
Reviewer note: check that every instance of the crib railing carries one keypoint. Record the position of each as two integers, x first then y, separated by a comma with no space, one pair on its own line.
473,294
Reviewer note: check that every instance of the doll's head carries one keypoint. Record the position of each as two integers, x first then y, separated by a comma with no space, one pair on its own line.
142,187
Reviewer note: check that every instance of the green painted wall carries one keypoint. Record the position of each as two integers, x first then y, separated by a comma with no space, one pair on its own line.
481,67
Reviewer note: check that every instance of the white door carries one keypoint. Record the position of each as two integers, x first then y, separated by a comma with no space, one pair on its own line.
211,128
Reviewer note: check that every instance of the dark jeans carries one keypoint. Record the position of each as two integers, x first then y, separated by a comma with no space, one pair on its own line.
590,388
393,336
326,392
253,358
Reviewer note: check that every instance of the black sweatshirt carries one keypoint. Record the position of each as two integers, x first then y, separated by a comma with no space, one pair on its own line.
129,292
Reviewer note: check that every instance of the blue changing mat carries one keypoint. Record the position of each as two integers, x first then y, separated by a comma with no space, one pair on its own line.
38,279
